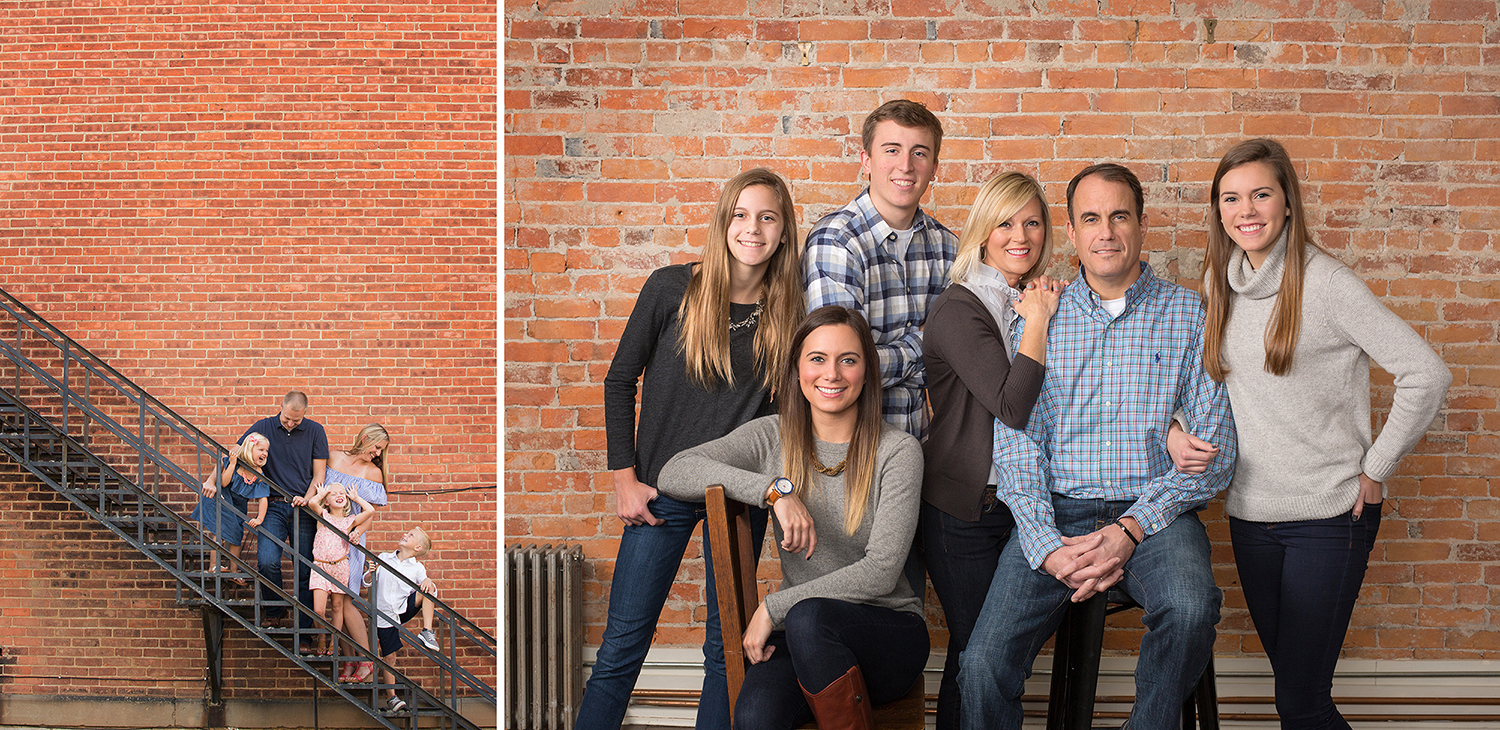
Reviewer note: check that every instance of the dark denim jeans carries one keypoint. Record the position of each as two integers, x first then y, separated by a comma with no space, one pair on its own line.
645,570
280,516
824,637
1301,580
1169,575
961,558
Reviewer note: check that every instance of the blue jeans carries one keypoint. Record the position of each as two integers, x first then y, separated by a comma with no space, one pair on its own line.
280,515
645,569
961,558
824,637
1301,580
1169,575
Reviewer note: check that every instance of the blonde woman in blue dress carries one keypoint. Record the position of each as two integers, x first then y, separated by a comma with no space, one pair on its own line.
361,466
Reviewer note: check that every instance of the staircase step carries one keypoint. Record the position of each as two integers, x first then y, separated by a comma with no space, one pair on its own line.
246,602
212,574
135,519
66,462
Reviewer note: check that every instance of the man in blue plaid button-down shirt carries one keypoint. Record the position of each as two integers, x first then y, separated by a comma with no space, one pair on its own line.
883,257
1096,499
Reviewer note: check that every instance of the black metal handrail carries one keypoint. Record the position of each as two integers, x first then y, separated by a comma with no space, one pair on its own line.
187,537
24,315
67,352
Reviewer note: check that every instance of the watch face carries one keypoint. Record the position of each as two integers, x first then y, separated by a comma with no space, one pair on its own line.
783,485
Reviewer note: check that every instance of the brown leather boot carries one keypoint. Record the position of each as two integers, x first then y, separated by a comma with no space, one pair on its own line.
843,705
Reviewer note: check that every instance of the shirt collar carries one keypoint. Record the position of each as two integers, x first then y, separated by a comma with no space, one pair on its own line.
985,275
877,226
1090,300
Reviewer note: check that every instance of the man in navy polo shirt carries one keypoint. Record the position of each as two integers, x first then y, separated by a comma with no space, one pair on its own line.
298,458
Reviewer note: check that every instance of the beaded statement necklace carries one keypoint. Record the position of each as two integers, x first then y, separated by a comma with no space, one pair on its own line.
748,321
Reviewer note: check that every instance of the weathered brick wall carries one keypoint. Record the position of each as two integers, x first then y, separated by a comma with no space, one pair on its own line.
622,119
225,202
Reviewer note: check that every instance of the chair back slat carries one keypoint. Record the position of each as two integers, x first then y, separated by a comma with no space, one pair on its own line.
734,577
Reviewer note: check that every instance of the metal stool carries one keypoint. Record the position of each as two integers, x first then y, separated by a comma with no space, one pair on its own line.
1075,669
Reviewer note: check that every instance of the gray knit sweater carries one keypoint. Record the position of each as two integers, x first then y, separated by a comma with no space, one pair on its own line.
865,567
1304,437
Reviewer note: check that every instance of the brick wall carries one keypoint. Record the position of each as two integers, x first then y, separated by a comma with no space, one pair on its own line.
623,118
225,202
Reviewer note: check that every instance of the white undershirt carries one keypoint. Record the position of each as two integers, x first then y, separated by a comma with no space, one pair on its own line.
1113,306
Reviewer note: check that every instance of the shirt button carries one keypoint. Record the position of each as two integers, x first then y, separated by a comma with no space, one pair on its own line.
1107,443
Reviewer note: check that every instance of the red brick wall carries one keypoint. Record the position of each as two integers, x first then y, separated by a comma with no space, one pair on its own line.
225,202
621,122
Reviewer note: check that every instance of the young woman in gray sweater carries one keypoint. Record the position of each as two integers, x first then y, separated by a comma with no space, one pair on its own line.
1291,332
845,629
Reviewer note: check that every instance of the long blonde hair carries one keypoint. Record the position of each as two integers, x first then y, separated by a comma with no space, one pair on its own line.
797,447
1286,322
998,199
369,436
704,313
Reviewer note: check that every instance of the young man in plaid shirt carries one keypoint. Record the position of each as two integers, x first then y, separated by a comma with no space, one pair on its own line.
882,256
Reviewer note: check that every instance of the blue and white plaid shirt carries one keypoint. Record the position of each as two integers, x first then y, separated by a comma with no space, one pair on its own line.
1099,428
851,261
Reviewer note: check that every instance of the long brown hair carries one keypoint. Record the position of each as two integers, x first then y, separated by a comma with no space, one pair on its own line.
1286,322
704,313
797,447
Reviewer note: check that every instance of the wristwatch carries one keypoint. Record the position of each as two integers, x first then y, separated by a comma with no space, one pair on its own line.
780,487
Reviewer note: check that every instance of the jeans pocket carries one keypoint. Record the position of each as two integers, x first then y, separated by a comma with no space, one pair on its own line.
1369,509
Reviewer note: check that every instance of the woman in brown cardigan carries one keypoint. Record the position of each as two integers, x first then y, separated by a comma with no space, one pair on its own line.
984,347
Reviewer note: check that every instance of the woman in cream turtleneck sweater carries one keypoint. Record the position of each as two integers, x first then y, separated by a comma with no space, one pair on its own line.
1291,333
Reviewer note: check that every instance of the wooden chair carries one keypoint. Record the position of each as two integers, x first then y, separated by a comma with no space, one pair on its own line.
728,532
1075,669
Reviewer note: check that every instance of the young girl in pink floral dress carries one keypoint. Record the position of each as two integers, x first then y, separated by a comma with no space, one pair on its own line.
331,551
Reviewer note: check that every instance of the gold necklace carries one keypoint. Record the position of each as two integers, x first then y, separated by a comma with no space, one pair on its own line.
831,471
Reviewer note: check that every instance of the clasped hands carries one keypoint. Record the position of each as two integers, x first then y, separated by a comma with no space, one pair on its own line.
1091,563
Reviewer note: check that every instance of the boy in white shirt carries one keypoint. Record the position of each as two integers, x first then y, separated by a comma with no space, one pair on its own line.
395,597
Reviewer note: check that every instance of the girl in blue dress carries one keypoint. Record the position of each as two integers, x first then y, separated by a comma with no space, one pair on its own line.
243,484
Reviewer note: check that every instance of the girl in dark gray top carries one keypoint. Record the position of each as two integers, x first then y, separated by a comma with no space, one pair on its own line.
846,629
707,338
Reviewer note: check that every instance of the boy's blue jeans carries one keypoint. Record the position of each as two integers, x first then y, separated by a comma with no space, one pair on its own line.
1170,575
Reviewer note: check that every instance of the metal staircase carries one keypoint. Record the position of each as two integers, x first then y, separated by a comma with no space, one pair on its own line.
118,455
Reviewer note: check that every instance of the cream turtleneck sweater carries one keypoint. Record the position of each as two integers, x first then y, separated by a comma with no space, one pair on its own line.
1304,437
